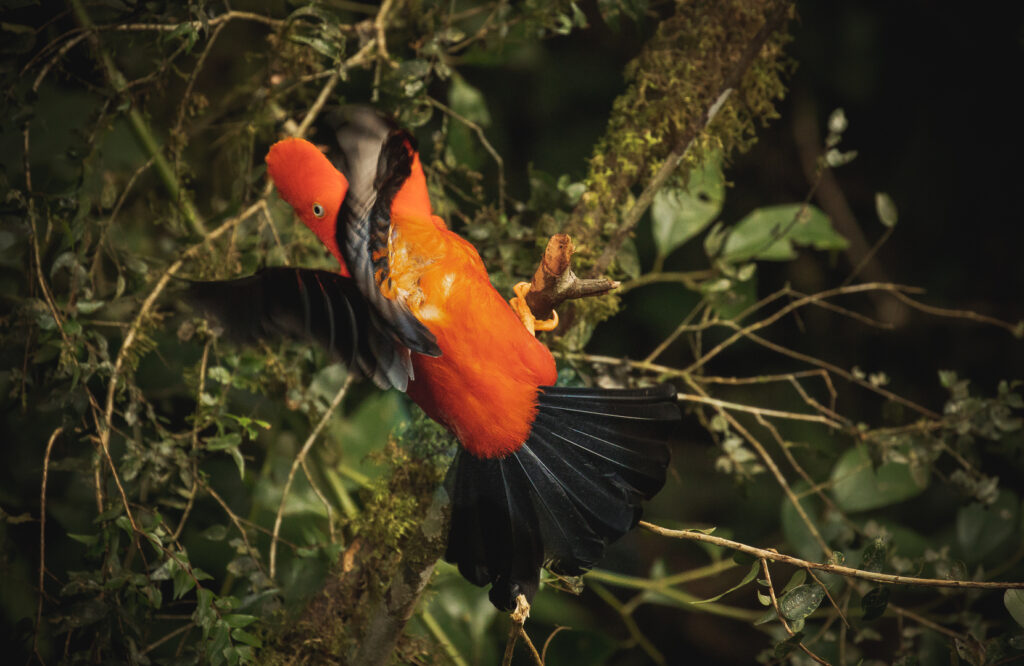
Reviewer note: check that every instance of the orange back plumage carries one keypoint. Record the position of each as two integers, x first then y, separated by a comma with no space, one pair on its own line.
484,385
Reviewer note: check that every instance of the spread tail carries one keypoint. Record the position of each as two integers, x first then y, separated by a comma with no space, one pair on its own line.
575,486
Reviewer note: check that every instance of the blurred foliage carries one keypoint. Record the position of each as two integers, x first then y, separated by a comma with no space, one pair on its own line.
154,503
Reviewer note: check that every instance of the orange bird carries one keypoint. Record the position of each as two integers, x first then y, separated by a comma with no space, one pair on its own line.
545,475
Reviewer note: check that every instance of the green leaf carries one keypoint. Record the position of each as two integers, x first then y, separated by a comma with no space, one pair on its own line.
204,615
886,209
87,539
746,579
243,636
801,601
317,28
238,620
183,581
215,532
219,641
980,528
88,307
628,260
783,649
858,486
796,580
873,558
728,298
770,233
1014,602
679,214
222,442
874,603
468,101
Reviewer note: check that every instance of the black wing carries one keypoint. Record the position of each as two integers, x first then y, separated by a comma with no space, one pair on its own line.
322,307
376,159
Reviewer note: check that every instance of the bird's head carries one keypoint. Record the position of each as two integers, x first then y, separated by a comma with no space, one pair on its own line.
307,180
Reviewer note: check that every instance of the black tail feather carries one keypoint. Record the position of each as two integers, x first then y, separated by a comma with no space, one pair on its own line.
576,485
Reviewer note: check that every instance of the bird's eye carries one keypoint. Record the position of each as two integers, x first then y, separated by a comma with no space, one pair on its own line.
318,210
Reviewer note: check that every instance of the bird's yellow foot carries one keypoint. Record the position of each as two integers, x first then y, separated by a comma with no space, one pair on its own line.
525,315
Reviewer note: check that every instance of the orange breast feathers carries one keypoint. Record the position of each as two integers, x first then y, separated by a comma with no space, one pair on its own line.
484,385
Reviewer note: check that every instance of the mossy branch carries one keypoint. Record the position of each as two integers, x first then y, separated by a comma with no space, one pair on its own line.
704,81
773,23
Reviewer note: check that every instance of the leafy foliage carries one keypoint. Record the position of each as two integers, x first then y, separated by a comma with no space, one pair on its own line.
158,502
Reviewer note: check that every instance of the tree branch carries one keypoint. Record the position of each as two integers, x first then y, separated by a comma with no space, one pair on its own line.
849,572
555,282
732,82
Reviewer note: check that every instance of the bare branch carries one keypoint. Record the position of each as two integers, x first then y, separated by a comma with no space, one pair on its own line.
849,572
519,615
42,538
299,460
555,282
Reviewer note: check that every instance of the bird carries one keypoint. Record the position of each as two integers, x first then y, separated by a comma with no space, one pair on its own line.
544,476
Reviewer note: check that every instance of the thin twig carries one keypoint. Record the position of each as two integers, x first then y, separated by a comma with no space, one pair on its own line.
1017,330
253,553
519,615
381,29
828,595
479,131
441,637
339,396
776,472
889,579
760,411
782,619
663,587
626,615
547,641
196,25
688,278
157,643
868,256
323,500
614,360
849,376
195,441
42,538
683,326
318,105
782,312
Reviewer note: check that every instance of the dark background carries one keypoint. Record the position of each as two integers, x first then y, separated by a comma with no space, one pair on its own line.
928,90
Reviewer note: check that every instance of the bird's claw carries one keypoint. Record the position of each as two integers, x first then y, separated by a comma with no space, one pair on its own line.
526,315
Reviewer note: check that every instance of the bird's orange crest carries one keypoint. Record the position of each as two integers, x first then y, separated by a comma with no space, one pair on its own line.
308,181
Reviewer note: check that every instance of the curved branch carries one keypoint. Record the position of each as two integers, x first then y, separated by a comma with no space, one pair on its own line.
849,572
300,460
